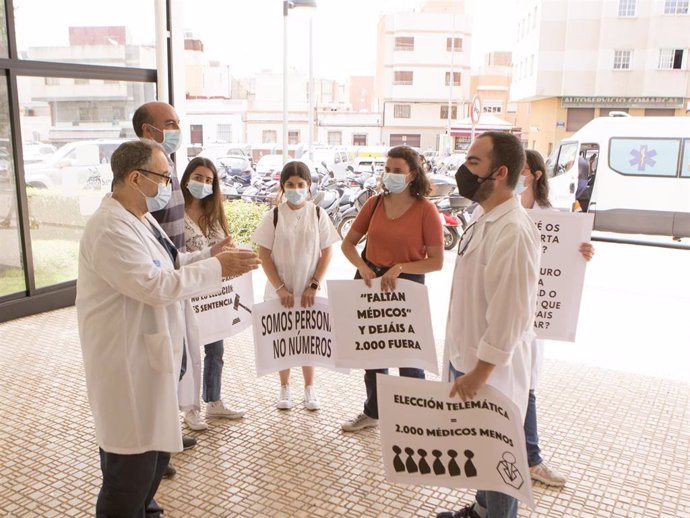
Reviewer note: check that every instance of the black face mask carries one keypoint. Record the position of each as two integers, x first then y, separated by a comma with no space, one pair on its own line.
469,183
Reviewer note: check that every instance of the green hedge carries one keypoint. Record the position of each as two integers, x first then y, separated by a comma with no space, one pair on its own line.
243,218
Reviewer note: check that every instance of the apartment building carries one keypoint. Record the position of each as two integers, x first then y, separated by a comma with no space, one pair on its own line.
575,60
423,62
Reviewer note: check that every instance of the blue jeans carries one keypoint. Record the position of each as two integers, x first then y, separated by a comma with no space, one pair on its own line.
496,504
371,405
213,371
531,435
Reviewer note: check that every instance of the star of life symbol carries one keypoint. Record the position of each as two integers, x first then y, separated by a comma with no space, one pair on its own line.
643,157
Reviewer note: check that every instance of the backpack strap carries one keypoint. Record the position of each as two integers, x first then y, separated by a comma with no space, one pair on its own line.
318,213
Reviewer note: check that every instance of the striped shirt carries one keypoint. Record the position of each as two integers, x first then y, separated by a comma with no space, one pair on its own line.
171,217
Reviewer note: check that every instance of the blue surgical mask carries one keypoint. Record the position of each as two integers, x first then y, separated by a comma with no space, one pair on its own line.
171,139
199,190
161,199
296,196
520,186
394,182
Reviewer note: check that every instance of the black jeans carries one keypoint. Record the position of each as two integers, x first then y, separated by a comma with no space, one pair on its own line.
371,405
129,483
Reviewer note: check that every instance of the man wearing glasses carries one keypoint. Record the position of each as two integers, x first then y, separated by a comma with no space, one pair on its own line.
158,121
494,292
131,289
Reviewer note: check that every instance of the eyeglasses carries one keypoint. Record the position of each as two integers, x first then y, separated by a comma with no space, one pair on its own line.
167,177
465,239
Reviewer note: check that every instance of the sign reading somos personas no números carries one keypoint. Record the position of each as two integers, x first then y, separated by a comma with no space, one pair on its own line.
226,312
376,329
562,272
292,337
430,439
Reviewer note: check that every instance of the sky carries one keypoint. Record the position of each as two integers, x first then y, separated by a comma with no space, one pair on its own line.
344,32
248,34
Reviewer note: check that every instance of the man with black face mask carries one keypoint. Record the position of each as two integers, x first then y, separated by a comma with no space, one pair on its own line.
494,292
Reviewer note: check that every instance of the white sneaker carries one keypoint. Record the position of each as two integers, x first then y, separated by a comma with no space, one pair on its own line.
194,420
360,422
311,400
547,475
218,409
285,400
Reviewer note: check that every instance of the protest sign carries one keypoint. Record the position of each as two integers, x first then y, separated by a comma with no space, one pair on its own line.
226,312
376,329
430,439
293,337
562,272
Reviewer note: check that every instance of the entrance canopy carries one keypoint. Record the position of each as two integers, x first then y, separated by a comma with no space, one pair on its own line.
487,122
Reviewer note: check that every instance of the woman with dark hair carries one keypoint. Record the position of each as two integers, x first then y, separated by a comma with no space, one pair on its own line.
533,188
404,240
294,242
205,225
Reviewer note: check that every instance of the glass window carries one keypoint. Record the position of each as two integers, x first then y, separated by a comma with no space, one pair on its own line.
454,42
401,111
269,137
453,112
404,43
627,7
335,138
456,78
403,77
621,59
359,139
65,185
648,157
685,167
3,31
676,7
12,271
671,59
293,137
224,132
566,158
67,32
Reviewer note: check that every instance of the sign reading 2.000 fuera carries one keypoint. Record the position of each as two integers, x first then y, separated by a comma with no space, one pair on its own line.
431,439
379,329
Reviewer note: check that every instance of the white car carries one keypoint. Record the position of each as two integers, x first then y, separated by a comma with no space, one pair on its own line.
268,165
367,164
77,165
38,152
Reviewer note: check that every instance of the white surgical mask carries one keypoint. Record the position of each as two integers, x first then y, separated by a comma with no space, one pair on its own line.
161,199
394,182
520,186
199,190
171,139
296,196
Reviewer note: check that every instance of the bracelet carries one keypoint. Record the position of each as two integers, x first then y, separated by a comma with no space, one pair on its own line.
280,287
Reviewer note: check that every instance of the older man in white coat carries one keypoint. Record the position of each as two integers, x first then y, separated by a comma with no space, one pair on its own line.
494,292
130,288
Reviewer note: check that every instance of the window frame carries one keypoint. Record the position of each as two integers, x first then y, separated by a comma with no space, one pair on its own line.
627,8
619,59
399,110
679,140
407,46
403,82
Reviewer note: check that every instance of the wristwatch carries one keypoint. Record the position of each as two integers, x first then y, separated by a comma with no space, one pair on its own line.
315,285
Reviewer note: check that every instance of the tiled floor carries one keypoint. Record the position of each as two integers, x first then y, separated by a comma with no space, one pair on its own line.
623,441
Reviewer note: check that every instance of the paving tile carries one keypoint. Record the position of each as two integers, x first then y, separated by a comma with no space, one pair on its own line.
622,440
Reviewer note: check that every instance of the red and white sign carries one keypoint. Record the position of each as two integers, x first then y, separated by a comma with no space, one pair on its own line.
476,110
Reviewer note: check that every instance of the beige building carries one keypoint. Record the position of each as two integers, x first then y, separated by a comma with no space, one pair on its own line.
575,60
423,62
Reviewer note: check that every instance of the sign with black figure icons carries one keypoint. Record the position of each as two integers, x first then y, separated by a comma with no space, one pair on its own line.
431,439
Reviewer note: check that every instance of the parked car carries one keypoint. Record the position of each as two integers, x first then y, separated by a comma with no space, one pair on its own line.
216,151
38,152
237,168
368,164
267,165
77,165
336,160
449,165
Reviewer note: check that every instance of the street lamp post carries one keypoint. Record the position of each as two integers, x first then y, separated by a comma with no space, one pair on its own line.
287,5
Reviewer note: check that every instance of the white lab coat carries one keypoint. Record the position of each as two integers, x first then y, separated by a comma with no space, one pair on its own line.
131,326
493,297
